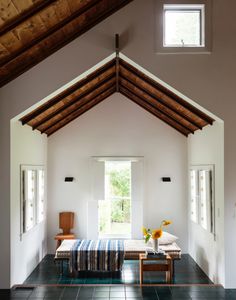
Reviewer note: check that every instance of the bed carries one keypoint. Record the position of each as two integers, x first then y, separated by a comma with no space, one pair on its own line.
132,249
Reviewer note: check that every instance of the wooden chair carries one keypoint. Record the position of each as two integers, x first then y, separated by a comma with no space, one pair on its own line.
66,223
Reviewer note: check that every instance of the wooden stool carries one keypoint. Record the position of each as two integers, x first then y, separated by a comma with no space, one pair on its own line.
60,237
164,265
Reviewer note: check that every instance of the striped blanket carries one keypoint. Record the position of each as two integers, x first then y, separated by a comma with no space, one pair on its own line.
97,255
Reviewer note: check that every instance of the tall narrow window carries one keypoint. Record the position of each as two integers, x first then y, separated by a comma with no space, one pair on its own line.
40,199
202,204
32,196
29,199
184,25
194,195
115,210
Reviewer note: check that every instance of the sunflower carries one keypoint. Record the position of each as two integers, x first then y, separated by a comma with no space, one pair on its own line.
165,223
145,232
156,233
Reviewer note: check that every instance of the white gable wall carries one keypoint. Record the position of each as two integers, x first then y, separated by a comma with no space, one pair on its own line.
206,147
118,127
28,148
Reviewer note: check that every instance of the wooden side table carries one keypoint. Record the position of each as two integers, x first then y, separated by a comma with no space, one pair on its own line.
164,265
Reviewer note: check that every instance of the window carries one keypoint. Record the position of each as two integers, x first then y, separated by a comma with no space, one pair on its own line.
115,210
184,25
202,208
32,196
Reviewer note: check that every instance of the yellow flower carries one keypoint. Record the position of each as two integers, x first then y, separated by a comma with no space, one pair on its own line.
144,231
156,234
166,222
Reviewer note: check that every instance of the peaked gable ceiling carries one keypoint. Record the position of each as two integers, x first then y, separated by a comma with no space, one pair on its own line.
31,30
117,75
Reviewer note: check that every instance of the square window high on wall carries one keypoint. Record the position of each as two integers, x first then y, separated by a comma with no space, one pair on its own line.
183,27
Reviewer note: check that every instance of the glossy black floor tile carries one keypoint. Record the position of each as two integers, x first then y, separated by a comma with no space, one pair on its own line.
48,272
120,292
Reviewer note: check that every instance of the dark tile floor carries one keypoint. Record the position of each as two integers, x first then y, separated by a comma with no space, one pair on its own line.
120,292
186,272
46,283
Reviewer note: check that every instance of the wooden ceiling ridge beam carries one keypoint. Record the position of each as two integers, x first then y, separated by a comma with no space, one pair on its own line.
162,103
73,101
25,15
91,104
67,92
85,103
168,92
157,109
52,30
139,101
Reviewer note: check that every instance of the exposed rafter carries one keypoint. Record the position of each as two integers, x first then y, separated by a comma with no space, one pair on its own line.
32,32
117,76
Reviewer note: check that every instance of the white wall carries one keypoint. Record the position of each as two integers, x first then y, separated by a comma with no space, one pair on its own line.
207,147
27,147
118,127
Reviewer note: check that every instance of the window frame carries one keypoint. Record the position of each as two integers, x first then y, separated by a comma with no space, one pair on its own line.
160,49
211,190
23,199
113,197
186,8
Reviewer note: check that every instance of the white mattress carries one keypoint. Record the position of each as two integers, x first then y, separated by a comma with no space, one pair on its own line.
132,248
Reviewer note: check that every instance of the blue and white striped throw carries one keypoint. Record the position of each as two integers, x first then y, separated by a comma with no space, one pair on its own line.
97,255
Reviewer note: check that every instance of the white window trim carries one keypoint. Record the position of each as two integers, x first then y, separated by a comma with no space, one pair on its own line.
211,168
92,205
182,8
160,49
36,221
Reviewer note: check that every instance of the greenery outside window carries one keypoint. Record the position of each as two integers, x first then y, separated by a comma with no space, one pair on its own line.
115,210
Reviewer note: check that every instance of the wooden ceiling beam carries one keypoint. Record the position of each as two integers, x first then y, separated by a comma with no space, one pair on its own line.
171,94
82,110
20,68
67,92
158,105
75,100
83,103
49,32
153,111
23,67
152,106
35,9
164,100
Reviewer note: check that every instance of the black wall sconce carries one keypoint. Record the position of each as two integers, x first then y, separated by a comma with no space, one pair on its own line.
166,179
69,179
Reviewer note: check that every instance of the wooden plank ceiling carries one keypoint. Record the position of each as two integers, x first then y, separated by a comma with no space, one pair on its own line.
117,76
31,30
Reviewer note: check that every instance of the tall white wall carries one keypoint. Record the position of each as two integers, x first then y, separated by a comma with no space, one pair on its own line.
28,148
118,127
207,147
